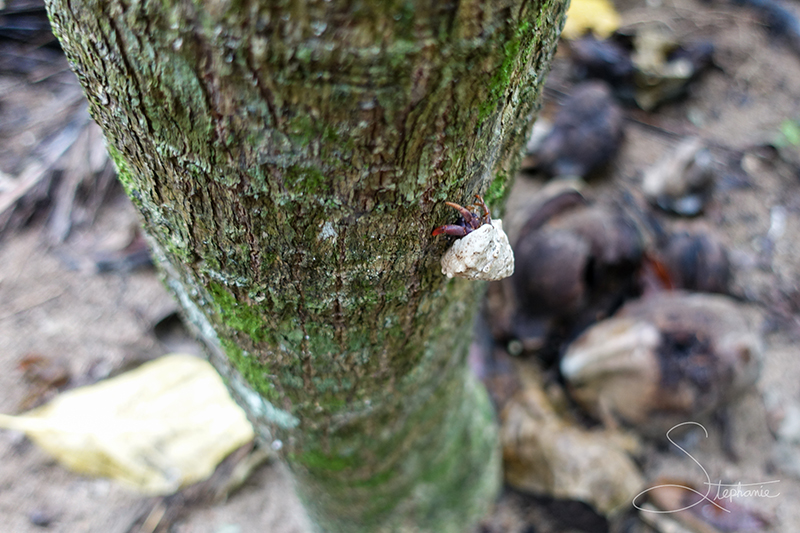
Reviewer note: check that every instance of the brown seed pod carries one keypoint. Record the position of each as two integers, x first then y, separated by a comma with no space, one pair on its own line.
586,133
572,270
663,359
696,262
503,307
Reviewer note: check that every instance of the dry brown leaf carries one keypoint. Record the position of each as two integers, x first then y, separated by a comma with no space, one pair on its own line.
160,427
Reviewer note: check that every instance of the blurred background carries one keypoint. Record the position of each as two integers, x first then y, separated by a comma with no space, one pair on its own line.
656,227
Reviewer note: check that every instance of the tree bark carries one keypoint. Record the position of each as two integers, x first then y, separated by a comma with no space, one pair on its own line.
290,160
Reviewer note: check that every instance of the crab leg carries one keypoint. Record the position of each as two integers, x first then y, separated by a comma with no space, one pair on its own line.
486,216
465,214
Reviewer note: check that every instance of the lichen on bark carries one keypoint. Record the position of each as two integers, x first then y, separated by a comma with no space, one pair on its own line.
289,160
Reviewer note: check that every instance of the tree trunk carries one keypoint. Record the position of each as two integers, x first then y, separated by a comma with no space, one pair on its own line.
290,160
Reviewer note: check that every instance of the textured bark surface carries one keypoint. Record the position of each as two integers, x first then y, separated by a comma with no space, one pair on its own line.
290,162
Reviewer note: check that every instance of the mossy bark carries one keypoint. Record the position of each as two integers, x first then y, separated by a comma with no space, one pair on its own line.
290,160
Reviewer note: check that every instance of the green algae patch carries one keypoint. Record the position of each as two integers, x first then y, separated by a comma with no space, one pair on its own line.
253,371
239,316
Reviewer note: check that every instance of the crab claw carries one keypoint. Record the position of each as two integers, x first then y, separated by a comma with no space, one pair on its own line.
450,229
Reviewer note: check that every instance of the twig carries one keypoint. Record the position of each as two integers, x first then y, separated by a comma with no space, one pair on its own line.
74,173
35,171
32,306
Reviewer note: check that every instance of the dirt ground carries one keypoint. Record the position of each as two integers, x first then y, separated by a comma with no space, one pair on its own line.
84,307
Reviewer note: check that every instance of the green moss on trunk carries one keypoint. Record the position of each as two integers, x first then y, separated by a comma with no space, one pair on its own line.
289,161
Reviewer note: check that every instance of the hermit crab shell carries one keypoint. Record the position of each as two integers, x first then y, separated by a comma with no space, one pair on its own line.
481,254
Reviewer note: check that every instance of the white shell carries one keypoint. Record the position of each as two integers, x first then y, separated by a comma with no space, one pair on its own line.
482,254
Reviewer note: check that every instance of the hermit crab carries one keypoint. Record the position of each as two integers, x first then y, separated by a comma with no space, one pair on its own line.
482,252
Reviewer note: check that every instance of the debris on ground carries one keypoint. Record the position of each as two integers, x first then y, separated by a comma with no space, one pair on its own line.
156,429
546,453
663,359
646,66
684,72
53,161
46,376
701,509
681,181
595,16
585,134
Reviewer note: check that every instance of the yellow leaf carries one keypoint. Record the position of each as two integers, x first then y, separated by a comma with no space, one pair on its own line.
160,427
599,16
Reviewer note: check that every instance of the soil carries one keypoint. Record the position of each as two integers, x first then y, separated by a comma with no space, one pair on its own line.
58,306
